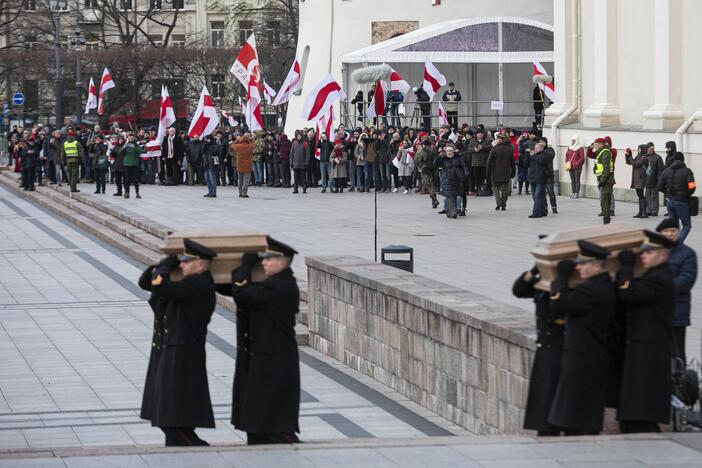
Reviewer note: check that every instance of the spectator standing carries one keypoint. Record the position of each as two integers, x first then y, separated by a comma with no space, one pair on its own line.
539,163
451,98
195,153
173,151
284,155
100,162
653,174
677,182
452,174
480,148
210,165
73,154
338,167
118,165
300,161
369,161
575,158
501,169
131,152
638,165
325,150
523,163
243,149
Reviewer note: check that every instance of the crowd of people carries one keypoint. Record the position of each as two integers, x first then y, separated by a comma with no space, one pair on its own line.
453,162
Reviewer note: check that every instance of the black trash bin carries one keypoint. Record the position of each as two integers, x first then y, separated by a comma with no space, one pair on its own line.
398,256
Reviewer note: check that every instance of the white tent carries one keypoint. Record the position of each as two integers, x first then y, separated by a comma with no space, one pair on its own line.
488,58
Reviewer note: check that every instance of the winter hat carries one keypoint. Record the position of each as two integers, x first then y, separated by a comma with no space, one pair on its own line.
668,223
71,133
608,140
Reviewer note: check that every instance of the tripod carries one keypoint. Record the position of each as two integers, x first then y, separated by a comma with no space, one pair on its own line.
416,115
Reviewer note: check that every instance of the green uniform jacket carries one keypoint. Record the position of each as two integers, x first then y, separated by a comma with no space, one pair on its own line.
605,158
81,152
131,154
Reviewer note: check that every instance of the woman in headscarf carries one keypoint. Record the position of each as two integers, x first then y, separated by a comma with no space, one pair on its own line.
575,158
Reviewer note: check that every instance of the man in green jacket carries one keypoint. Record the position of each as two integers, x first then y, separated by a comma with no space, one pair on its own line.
604,171
131,152
72,153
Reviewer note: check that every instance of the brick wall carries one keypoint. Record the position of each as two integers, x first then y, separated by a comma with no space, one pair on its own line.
455,352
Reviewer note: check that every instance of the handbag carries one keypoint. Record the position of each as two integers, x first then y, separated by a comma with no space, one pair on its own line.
567,166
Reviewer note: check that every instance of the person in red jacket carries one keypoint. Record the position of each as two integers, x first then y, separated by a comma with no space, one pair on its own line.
591,155
575,158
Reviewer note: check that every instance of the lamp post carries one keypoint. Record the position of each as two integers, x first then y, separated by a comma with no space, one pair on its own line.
77,42
57,7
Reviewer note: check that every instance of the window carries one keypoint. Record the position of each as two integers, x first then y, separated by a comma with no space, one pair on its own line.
91,4
217,85
30,41
217,33
177,40
30,5
177,4
245,30
125,4
156,39
273,32
175,88
154,4
92,45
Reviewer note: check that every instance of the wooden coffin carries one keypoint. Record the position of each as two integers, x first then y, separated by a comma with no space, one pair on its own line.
564,245
229,243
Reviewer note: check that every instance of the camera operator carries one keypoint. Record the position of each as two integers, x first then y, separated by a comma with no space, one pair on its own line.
424,103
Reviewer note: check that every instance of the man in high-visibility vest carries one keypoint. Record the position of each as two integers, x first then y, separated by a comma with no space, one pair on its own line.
604,171
72,153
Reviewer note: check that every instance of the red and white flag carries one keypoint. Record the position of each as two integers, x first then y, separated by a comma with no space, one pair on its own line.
241,104
290,85
92,101
377,104
166,119
325,125
253,105
433,79
321,98
205,119
397,83
547,88
230,119
268,93
246,63
443,116
106,83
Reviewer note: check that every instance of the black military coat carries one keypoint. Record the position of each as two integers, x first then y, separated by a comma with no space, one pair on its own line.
590,313
266,398
176,392
646,380
546,368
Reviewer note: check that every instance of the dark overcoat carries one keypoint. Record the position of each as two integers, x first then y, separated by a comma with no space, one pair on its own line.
590,314
646,380
546,368
266,398
176,392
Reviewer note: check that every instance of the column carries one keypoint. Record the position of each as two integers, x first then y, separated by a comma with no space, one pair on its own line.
563,58
666,111
604,111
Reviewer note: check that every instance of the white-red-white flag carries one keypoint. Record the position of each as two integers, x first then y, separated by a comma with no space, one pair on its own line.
268,93
443,116
92,101
253,105
397,83
321,99
153,148
290,85
377,104
241,104
547,88
246,63
205,119
106,83
433,79
166,119
230,119
324,124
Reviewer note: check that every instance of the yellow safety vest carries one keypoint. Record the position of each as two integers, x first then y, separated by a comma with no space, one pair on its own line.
599,167
70,148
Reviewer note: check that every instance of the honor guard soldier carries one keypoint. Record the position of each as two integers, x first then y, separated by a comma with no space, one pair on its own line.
649,303
546,369
589,310
176,393
266,397
604,171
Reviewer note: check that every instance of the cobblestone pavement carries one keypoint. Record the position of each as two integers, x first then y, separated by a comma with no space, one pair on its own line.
75,332
483,252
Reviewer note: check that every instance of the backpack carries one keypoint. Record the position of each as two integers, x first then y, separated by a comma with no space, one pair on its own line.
483,191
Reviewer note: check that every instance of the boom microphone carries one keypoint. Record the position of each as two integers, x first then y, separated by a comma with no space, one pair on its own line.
372,74
542,79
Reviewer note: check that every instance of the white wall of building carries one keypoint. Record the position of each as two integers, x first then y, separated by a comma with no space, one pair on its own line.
331,28
653,64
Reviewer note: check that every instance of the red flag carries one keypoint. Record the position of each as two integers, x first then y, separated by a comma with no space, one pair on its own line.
377,104
397,83
246,63
433,79
205,119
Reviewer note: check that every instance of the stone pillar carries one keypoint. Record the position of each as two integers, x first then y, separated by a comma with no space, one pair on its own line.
666,111
604,111
562,65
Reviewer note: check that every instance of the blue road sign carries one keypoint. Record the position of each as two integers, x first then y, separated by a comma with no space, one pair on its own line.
18,99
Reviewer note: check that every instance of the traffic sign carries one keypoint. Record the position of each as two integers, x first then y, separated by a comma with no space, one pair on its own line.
18,99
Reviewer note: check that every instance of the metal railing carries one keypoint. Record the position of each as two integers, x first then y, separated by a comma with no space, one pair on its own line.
518,114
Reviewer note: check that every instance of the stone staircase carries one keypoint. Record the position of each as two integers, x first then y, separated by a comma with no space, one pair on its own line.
131,233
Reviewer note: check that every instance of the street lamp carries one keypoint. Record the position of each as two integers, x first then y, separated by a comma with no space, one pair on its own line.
77,42
56,7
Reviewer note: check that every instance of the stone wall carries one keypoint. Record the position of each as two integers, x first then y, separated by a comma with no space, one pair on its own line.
455,352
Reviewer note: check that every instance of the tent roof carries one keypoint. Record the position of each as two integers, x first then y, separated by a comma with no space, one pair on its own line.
493,39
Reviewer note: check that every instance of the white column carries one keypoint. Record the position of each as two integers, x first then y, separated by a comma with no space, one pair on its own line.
562,68
666,111
604,111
